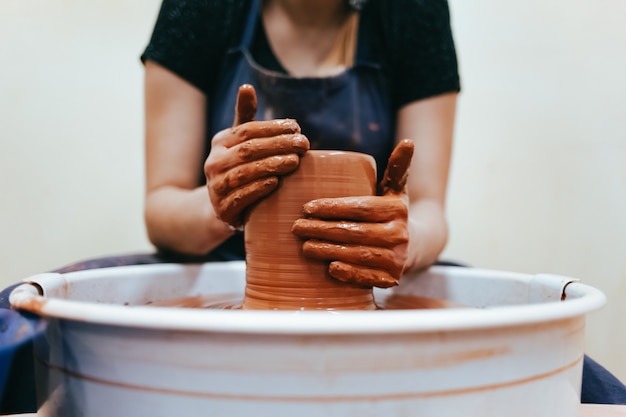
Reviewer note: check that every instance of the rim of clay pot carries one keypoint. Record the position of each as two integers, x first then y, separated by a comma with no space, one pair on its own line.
581,299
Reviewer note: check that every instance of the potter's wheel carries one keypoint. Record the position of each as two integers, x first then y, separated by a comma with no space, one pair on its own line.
106,353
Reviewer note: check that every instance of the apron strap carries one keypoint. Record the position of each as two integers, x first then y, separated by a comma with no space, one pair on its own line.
250,28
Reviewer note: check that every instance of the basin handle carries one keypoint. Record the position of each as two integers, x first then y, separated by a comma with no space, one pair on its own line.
24,293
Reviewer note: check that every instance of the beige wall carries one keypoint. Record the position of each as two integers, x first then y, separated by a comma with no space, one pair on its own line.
538,178
71,131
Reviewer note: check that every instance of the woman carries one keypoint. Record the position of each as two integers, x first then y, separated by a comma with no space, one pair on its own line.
348,76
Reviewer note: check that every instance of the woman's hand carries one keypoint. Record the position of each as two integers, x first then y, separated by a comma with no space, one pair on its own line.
364,238
246,161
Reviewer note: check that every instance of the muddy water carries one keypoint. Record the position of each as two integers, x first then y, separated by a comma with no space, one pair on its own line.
234,302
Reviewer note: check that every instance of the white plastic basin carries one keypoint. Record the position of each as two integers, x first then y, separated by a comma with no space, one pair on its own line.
518,352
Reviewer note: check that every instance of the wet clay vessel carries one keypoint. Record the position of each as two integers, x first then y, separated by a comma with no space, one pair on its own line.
278,275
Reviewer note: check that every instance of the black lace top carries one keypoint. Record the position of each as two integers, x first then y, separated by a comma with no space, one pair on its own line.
412,39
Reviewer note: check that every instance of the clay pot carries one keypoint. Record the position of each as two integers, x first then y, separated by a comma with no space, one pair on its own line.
278,275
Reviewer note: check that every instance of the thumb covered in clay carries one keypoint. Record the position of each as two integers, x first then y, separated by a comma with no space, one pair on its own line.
245,109
397,171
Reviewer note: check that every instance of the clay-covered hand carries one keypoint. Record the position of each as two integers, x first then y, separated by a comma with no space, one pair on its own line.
364,238
246,161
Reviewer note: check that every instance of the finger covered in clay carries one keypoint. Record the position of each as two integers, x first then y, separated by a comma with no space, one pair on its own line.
365,208
370,234
232,206
255,130
244,174
370,256
254,149
366,277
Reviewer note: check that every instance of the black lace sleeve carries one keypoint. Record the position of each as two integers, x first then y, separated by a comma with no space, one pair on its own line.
420,48
191,36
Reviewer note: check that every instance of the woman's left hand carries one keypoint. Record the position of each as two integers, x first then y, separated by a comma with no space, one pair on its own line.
364,238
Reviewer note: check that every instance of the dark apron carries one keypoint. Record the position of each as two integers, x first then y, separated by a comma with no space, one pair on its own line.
350,111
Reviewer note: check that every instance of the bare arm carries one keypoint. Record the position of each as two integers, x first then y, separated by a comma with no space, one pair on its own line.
179,215
430,124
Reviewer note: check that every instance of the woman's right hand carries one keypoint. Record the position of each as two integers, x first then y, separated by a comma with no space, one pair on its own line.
246,161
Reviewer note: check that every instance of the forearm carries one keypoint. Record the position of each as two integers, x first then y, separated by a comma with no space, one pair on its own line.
428,233
183,220
430,124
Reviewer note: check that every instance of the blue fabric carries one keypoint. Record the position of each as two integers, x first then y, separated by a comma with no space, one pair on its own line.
600,386
350,111
17,382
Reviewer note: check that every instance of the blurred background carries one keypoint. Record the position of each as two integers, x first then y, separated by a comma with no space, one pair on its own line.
538,180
